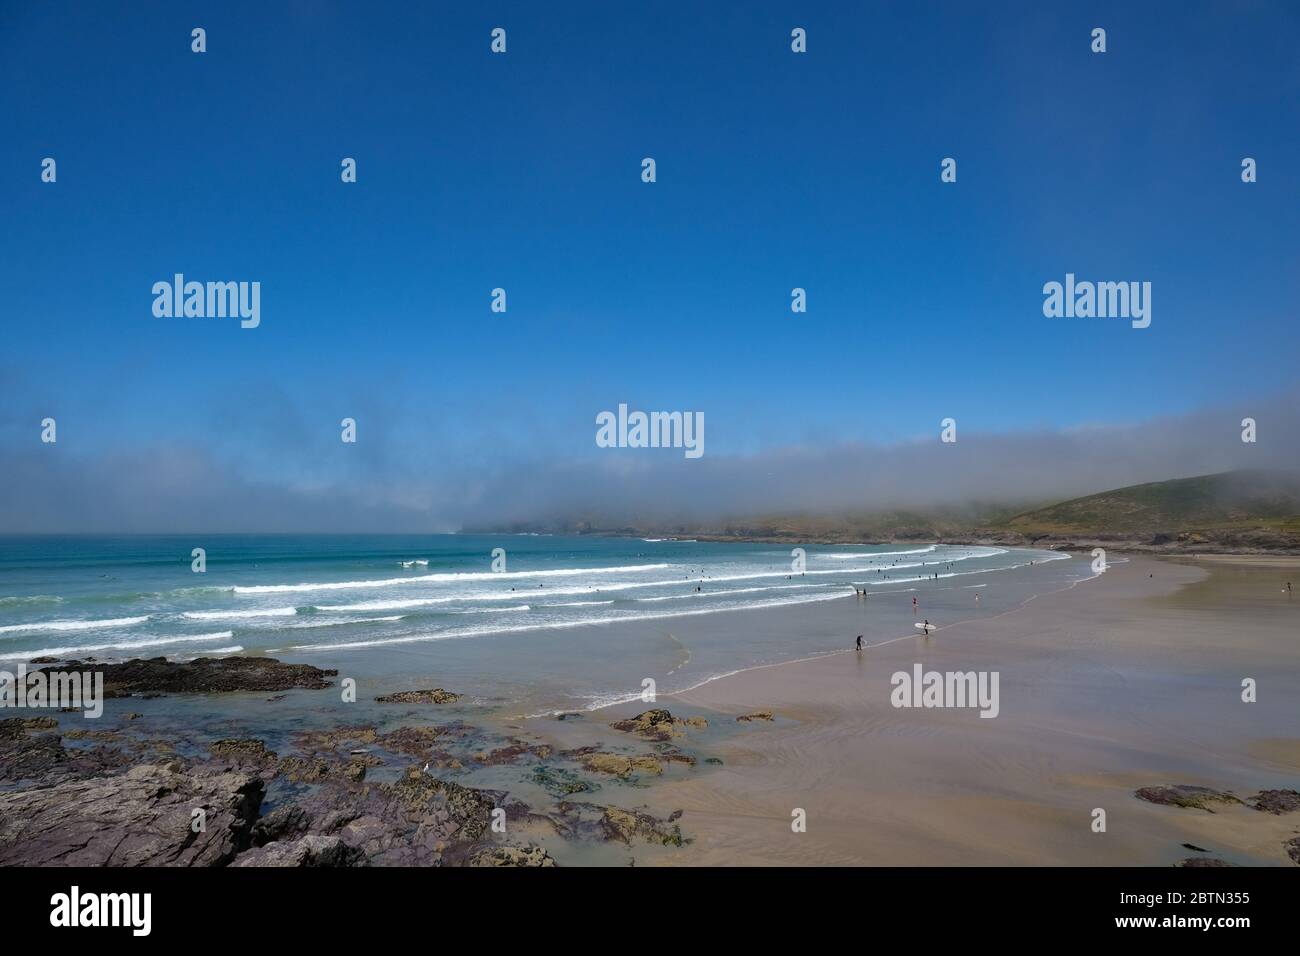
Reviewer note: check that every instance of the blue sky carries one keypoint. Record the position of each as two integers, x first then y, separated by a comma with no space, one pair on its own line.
775,170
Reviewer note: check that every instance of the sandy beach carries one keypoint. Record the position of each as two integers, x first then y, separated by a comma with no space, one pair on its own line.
1127,681
1132,679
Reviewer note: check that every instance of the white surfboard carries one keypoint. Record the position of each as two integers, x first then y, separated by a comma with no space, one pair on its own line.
927,627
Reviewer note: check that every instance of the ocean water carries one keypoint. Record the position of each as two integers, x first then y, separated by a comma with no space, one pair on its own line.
570,622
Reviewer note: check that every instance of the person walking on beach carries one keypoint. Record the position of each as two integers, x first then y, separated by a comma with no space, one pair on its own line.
859,642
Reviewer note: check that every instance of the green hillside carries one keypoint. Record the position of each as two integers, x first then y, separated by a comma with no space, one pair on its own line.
1240,511
1231,500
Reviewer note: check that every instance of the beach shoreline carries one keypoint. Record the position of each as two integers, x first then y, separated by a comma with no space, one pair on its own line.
1108,685
1120,682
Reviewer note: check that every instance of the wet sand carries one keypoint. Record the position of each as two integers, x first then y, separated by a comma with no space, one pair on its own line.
1127,680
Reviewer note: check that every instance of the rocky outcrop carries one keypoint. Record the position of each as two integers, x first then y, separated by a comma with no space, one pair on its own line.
756,715
579,820
143,817
306,851
335,738
15,728
282,824
417,821
514,751
559,782
28,755
1199,861
1183,795
435,696
467,811
157,675
658,724
318,769
1276,801
80,805
620,765
415,741
511,856
628,826
243,751
412,741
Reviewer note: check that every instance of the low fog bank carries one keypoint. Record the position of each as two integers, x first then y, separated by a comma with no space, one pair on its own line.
178,489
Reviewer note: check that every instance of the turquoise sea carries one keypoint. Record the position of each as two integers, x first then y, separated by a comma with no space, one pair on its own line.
568,623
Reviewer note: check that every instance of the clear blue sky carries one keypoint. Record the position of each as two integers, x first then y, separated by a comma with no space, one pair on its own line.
775,170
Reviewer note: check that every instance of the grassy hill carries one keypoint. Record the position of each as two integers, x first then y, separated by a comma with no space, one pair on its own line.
1240,511
1236,500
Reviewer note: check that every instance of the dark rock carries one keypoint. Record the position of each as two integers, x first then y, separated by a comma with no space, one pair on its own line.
629,825
335,738
280,825
309,850
421,796
416,741
669,754
657,724
435,696
1183,795
621,765
318,769
1194,861
42,759
1276,801
512,753
157,675
141,817
336,819
417,821
31,758
1292,848
560,782
511,856
81,733
756,715
1193,846
14,728
243,750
